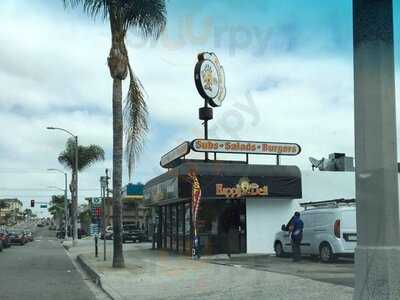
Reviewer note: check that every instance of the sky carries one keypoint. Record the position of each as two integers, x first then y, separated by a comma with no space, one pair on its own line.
288,68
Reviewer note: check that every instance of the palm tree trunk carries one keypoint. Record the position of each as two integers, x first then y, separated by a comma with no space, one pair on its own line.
118,258
118,65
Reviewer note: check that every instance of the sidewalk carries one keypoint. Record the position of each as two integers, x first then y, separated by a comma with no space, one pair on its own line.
160,275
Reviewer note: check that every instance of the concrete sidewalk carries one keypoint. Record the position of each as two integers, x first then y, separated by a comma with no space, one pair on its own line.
160,275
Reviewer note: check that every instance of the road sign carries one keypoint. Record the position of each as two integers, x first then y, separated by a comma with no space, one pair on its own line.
96,201
43,205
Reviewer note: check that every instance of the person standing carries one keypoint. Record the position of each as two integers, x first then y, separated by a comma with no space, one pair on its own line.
296,235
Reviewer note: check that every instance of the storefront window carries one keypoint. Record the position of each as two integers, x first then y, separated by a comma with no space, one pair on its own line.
168,226
181,221
188,241
173,226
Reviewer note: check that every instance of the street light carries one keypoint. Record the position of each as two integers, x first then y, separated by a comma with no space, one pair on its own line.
65,198
75,181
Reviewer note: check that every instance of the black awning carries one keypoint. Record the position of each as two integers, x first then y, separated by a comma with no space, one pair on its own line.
225,180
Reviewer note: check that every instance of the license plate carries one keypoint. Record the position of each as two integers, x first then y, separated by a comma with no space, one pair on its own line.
352,238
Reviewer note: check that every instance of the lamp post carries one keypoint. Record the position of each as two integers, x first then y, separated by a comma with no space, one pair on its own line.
65,199
75,181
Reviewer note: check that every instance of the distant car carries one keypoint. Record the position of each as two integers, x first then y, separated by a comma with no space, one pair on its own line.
40,224
109,233
132,233
17,237
28,235
4,237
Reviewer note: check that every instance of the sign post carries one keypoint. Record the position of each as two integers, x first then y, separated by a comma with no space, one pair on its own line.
103,184
209,77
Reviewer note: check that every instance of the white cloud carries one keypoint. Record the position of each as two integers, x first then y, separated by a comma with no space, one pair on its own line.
53,71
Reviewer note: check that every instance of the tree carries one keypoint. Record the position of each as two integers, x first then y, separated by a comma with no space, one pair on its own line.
148,17
87,156
57,209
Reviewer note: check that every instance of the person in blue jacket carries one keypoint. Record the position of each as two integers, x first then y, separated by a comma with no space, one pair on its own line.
296,230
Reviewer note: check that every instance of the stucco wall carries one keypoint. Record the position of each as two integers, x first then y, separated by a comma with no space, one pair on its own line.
264,217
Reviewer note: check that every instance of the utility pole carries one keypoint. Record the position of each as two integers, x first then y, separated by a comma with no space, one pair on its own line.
377,266
75,200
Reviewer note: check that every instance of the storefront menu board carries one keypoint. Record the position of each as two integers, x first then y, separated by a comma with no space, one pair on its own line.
245,147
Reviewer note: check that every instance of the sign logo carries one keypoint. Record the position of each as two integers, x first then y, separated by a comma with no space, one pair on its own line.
209,77
245,147
245,188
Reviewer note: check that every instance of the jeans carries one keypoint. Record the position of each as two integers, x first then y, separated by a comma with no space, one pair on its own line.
296,249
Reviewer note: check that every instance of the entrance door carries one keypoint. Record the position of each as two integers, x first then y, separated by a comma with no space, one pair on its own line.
232,225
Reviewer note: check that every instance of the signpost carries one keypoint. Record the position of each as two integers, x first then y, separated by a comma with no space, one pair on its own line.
209,77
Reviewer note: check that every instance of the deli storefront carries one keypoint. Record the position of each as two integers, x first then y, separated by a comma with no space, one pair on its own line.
241,205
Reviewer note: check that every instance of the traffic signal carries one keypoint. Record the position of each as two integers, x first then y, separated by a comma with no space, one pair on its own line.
32,203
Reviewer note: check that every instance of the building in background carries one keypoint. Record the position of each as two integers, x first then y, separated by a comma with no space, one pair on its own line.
11,211
133,210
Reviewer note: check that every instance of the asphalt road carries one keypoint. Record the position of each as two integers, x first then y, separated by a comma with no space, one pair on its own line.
338,273
40,270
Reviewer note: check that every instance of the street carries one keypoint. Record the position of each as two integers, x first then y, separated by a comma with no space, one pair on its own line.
40,270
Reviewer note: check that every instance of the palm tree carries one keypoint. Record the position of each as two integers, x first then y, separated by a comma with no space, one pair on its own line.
148,17
87,156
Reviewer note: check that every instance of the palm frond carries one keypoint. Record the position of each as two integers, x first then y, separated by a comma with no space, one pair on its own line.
87,155
135,120
149,17
93,8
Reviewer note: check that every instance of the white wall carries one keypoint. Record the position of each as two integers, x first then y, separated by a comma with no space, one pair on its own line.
264,217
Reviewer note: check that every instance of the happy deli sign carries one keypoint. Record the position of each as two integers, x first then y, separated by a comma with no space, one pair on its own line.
245,147
244,188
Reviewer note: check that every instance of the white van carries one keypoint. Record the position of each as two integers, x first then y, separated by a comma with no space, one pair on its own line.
329,230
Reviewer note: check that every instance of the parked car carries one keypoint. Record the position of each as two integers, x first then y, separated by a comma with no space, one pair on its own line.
28,235
108,233
329,231
17,236
4,237
132,233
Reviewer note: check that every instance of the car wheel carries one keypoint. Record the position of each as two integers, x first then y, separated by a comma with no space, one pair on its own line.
279,249
326,254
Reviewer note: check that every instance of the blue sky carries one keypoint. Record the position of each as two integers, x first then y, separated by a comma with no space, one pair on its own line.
288,68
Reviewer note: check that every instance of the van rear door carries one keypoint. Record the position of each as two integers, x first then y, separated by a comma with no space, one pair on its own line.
348,228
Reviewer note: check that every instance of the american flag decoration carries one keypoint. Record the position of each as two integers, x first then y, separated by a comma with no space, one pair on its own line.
196,195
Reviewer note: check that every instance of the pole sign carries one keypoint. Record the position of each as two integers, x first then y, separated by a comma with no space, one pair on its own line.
96,202
209,77
245,147
179,151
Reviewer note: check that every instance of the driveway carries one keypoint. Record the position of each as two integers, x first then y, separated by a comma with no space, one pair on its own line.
339,273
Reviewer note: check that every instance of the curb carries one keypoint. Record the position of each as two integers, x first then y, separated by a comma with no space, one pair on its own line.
96,278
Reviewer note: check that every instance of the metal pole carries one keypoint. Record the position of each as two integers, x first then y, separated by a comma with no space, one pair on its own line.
103,216
206,129
66,205
75,200
377,254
